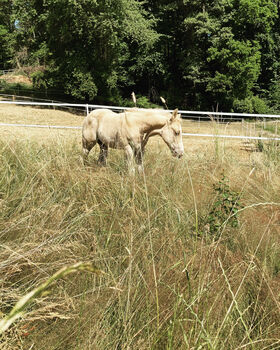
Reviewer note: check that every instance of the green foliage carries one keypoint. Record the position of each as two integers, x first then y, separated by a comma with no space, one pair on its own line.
271,149
259,145
38,79
81,85
3,85
260,105
224,209
274,95
239,66
252,104
222,53
88,47
6,29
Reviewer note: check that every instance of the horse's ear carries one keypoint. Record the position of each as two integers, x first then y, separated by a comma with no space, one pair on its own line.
174,115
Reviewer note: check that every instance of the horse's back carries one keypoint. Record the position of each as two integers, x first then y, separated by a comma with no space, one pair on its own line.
96,116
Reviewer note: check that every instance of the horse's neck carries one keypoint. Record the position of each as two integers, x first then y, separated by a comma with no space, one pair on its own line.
150,121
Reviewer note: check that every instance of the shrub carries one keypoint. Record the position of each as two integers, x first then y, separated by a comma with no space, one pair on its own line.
252,104
224,209
38,79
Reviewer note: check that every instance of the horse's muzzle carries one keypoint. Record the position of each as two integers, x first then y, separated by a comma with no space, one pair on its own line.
178,154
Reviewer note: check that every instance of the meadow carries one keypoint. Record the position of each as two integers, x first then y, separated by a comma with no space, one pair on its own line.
189,250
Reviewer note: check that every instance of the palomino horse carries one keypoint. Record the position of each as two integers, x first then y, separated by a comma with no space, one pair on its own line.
130,131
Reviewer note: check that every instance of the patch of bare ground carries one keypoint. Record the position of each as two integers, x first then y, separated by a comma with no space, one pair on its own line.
16,79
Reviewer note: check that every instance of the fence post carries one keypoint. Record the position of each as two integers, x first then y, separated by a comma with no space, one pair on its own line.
87,108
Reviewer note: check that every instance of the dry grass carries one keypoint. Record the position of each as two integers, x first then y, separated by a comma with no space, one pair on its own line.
41,116
32,115
170,283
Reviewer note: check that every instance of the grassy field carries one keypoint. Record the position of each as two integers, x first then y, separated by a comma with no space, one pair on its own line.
190,250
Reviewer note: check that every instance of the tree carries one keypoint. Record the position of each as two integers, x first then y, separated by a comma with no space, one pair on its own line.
228,52
6,28
196,53
87,45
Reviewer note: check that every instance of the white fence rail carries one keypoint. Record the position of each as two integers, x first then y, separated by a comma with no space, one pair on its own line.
184,113
184,133
42,126
35,100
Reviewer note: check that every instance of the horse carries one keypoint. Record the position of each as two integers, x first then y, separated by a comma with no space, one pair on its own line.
130,130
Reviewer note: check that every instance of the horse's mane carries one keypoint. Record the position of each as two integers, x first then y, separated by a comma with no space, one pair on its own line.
148,110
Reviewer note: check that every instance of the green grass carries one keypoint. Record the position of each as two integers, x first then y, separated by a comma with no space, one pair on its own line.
272,127
169,282
16,88
28,90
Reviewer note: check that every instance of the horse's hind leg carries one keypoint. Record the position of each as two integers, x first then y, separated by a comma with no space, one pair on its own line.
102,159
87,146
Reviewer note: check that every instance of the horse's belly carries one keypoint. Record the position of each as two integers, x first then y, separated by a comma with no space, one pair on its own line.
111,134
117,144
113,141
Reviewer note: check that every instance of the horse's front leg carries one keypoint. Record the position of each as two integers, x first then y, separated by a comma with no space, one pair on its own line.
138,154
144,142
102,159
129,159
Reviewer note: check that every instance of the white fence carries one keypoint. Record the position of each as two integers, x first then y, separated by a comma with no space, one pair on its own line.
184,113
194,115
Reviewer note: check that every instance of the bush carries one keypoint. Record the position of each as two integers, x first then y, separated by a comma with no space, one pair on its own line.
224,209
81,85
252,104
274,96
3,84
38,79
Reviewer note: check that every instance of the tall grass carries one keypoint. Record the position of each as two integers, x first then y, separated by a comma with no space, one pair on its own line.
169,282
19,309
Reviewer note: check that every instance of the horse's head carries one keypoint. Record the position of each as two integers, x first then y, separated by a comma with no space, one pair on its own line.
172,134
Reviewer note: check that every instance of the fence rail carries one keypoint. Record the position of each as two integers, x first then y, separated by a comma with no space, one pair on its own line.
117,108
240,137
42,126
6,71
33,101
14,97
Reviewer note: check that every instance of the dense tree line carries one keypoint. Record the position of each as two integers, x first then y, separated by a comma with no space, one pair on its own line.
218,54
